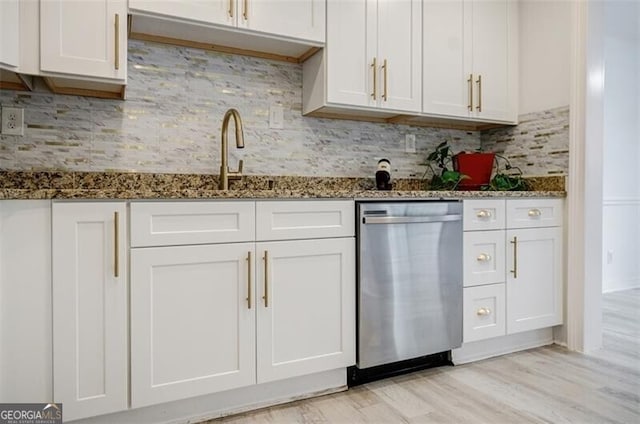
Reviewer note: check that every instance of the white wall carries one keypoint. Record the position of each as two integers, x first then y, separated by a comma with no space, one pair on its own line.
545,53
621,182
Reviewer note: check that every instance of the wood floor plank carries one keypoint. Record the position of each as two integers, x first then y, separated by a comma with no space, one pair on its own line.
544,385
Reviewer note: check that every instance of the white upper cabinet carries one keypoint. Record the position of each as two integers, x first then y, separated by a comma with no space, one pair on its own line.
399,54
223,12
87,38
470,59
301,19
372,59
9,34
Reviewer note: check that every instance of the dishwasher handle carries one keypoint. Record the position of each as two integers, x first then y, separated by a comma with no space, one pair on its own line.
410,219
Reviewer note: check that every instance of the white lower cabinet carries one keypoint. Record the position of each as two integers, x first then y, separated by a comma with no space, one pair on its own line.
192,328
513,273
534,289
306,307
90,337
206,318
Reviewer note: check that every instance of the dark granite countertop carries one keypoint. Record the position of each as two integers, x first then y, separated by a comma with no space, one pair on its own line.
111,185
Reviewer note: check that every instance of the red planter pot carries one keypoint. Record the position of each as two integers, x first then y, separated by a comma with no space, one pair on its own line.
477,166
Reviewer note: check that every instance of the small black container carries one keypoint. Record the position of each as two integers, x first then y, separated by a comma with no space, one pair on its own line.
383,175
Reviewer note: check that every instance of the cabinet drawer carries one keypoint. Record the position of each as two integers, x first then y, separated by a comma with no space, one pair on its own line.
484,312
484,214
484,260
178,223
289,220
528,213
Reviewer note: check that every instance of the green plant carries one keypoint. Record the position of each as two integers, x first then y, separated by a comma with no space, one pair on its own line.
443,178
504,181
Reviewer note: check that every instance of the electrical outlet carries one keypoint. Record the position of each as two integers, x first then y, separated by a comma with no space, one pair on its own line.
276,117
410,143
12,121
609,257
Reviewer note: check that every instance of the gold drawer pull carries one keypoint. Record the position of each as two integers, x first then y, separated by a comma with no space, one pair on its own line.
479,82
249,279
483,312
374,65
266,279
514,271
385,68
470,82
116,62
483,257
483,213
534,213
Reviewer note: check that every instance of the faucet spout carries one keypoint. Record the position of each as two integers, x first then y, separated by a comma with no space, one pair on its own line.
225,174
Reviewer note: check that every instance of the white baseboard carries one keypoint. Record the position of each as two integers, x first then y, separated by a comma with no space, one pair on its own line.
629,284
483,349
203,408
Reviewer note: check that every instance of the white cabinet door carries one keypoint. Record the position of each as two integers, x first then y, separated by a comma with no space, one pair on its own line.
445,89
534,278
222,12
491,60
192,327
400,53
90,352
483,257
302,19
9,34
87,38
306,321
350,51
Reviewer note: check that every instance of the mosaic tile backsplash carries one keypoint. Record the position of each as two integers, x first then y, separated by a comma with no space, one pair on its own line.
170,122
538,145
176,98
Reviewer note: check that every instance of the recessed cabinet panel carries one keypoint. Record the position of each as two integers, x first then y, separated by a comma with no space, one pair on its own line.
349,52
301,19
445,87
484,257
306,307
192,331
529,213
484,312
179,223
90,351
288,220
534,278
484,214
222,12
85,38
399,54
9,34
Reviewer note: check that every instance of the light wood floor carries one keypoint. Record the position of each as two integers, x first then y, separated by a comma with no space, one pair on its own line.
544,385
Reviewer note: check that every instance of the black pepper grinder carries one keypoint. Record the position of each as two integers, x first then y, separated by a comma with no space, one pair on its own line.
383,175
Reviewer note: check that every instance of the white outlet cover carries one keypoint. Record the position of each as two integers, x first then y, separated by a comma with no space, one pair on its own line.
12,121
276,117
410,143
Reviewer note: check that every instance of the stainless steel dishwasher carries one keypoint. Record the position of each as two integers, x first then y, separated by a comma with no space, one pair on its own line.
409,285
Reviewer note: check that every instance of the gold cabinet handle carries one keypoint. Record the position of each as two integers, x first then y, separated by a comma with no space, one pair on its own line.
245,10
116,244
483,214
266,279
117,42
479,81
514,271
534,213
483,311
385,72
249,279
483,257
470,82
374,66
231,8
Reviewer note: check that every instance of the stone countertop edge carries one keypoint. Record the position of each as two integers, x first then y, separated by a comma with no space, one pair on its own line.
194,194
